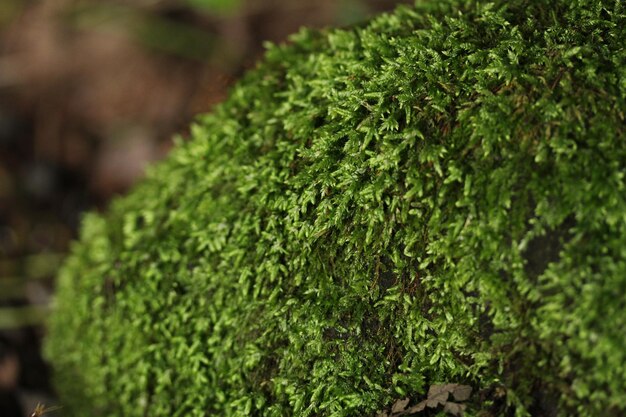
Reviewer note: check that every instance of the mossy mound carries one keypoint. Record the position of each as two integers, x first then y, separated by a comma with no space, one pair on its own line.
435,197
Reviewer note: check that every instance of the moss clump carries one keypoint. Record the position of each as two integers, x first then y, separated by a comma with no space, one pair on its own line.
435,197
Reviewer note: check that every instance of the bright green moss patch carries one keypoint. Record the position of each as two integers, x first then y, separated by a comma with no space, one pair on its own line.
435,197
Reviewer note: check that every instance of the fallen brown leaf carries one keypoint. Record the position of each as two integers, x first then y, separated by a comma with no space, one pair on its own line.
454,409
399,406
437,399
462,392
417,408
438,394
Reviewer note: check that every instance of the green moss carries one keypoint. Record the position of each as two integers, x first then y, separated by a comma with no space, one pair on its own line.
437,196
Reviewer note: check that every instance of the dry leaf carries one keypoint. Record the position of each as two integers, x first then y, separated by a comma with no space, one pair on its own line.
438,394
437,399
461,392
440,388
399,406
454,409
416,408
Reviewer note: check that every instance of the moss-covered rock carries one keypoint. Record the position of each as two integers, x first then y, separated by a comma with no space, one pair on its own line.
435,197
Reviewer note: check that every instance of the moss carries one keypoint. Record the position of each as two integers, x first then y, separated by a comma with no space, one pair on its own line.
435,197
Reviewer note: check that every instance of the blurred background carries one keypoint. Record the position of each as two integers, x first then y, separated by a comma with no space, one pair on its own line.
90,92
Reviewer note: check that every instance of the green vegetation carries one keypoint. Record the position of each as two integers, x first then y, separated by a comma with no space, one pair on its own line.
436,197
